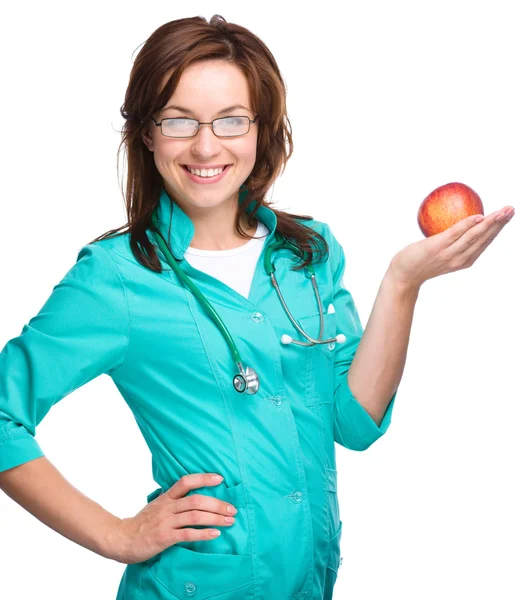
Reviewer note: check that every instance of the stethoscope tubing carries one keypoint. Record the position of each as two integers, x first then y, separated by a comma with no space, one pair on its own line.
247,379
312,341
202,299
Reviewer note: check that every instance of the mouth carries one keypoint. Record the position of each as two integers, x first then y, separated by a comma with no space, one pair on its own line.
223,167
207,179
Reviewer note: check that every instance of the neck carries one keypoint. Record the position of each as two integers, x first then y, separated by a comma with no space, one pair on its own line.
222,235
216,228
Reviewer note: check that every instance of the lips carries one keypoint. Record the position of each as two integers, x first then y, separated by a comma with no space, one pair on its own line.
206,180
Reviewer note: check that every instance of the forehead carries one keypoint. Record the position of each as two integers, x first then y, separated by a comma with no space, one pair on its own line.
211,85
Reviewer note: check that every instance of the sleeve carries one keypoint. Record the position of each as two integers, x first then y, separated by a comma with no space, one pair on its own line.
353,426
81,332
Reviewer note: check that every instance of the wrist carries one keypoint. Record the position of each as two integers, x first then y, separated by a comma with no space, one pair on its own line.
401,285
111,544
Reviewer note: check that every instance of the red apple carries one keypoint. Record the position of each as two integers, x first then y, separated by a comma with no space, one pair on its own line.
447,205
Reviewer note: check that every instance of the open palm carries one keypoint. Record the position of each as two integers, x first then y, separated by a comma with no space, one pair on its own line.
453,249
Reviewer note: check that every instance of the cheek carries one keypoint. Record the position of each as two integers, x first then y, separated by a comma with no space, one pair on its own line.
166,156
247,152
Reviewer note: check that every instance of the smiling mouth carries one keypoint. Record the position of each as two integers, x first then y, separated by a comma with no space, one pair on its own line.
223,168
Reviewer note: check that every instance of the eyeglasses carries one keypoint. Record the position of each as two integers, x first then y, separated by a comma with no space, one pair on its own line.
181,127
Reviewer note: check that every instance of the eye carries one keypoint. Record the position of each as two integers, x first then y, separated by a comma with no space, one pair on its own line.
234,120
180,122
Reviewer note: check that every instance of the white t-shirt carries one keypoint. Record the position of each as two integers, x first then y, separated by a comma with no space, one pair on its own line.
234,267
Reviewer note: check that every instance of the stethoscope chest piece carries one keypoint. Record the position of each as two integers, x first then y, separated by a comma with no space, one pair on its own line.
246,381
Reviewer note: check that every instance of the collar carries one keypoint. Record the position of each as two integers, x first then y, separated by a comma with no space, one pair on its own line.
182,228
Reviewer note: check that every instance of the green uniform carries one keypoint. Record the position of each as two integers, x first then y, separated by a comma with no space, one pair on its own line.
173,367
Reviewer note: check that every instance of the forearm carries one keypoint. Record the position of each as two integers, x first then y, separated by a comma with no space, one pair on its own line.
41,489
377,367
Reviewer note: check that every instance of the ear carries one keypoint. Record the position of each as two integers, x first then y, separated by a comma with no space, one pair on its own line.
147,138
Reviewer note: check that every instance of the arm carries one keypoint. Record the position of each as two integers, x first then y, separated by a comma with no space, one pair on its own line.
377,368
379,354
41,489
368,366
82,331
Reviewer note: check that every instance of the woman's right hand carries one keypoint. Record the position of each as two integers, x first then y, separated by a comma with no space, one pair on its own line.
160,524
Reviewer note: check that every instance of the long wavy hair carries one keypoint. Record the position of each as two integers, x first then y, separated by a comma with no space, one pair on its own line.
169,50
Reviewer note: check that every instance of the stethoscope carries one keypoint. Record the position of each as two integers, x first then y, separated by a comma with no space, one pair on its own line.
247,380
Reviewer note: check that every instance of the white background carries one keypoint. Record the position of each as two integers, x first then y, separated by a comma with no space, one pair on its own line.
415,95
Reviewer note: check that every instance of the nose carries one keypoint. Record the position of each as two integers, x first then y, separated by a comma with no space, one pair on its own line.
205,143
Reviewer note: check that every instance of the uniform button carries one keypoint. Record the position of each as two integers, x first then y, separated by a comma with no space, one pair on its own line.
297,497
341,560
330,346
191,588
257,317
277,400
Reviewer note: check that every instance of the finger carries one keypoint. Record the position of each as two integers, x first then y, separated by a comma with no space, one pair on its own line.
506,214
194,535
467,248
205,503
449,236
200,517
191,482
472,253
464,233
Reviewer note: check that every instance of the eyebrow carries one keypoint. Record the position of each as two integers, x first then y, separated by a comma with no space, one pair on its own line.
188,111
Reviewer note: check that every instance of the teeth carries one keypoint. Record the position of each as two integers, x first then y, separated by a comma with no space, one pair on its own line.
206,172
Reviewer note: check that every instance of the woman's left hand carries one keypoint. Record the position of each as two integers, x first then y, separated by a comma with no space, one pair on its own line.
453,249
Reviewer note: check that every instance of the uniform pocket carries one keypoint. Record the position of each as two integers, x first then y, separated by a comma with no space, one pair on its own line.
185,574
333,564
311,326
234,539
333,558
331,479
220,567
319,359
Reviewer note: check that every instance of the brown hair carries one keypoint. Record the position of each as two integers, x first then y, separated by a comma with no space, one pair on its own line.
173,47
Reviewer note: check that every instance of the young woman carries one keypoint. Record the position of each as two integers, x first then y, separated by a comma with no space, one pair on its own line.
226,374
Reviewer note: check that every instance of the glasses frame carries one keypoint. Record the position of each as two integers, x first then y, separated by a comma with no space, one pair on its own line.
200,123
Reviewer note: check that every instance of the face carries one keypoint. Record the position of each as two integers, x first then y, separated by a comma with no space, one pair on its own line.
205,89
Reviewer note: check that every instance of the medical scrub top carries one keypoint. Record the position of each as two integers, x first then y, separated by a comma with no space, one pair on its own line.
174,369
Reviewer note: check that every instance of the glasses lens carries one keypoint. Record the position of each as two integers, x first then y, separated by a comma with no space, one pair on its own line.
179,127
231,126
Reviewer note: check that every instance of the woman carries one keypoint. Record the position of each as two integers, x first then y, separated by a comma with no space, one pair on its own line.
206,136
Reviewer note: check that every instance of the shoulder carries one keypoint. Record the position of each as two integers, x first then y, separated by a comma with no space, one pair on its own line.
112,247
336,257
323,229
320,227
112,252
101,266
